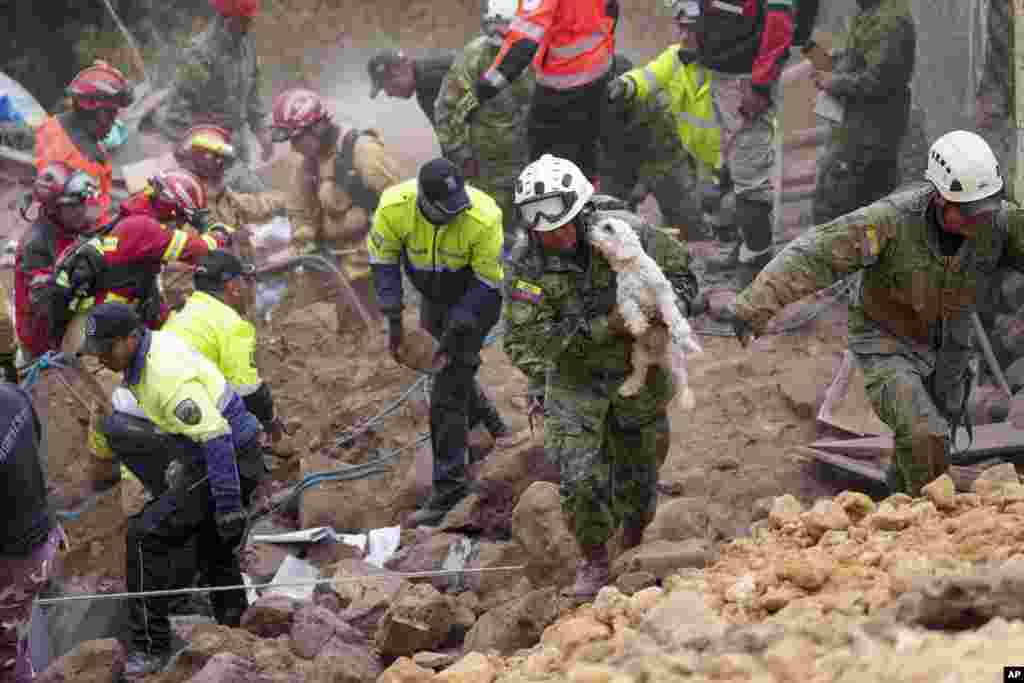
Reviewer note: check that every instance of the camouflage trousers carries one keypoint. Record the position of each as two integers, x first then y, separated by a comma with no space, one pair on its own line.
848,179
608,450
899,393
21,579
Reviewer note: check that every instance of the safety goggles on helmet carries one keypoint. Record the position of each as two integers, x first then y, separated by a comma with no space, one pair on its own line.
93,102
80,188
282,134
550,207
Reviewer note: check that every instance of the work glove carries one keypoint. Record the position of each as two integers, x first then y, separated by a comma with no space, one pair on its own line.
470,168
231,525
621,90
742,328
753,103
485,91
394,334
617,324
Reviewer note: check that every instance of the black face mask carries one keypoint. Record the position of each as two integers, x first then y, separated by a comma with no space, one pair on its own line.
432,212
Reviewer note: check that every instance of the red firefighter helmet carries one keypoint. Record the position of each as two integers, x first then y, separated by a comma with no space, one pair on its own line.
205,150
295,110
100,86
59,184
236,8
176,194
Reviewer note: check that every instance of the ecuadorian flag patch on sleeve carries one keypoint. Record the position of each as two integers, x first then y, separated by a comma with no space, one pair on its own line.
526,291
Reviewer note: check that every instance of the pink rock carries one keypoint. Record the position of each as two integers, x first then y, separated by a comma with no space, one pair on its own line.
313,626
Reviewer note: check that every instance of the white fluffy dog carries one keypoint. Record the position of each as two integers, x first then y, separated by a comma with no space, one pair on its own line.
644,293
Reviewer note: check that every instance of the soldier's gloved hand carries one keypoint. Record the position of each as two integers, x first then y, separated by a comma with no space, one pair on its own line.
617,324
621,90
394,334
231,525
742,328
470,168
485,92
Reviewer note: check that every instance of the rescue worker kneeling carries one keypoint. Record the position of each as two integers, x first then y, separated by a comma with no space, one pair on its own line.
203,470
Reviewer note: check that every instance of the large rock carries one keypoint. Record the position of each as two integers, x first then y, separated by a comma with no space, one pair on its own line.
345,662
94,661
314,626
967,601
228,667
365,599
678,520
539,528
405,670
272,657
270,616
662,558
473,668
683,620
419,619
493,555
514,625
427,554
346,505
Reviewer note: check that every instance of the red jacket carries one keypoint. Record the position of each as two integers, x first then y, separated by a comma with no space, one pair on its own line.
746,37
570,42
34,263
130,256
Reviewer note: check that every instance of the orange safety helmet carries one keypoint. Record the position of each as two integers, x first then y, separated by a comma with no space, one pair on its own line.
100,86
236,8
295,110
176,194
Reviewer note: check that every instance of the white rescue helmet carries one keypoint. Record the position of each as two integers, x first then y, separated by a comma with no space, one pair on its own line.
550,192
497,16
963,168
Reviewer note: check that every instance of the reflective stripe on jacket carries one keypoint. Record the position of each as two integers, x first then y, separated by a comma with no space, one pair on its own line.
687,89
575,37
222,336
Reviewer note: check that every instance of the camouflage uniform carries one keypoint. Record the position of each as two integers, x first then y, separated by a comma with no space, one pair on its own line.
871,78
641,144
493,134
21,580
997,80
218,81
910,325
605,446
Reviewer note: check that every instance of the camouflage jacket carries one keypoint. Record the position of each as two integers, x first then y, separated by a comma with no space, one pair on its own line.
997,78
218,81
913,298
550,299
496,134
871,77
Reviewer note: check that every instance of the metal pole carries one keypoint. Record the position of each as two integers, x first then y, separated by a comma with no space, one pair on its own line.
1016,164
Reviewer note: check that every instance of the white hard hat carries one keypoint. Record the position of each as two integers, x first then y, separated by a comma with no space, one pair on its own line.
963,168
498,14
550,192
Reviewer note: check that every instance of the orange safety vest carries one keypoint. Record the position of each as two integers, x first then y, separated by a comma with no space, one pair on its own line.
576,39
54,144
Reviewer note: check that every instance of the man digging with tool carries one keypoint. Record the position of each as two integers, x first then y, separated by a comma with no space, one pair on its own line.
204,476
927,254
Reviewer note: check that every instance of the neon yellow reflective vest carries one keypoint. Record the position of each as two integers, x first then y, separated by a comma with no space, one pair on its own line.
688,92
225,338
443,262
174,373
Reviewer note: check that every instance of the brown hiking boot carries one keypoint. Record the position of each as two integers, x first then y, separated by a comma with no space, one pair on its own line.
593,572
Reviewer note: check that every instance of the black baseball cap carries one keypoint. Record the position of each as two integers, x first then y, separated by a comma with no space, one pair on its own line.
105,323
379,66
219,266
443,186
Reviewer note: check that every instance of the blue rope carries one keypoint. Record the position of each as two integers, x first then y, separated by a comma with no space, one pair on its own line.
50,359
